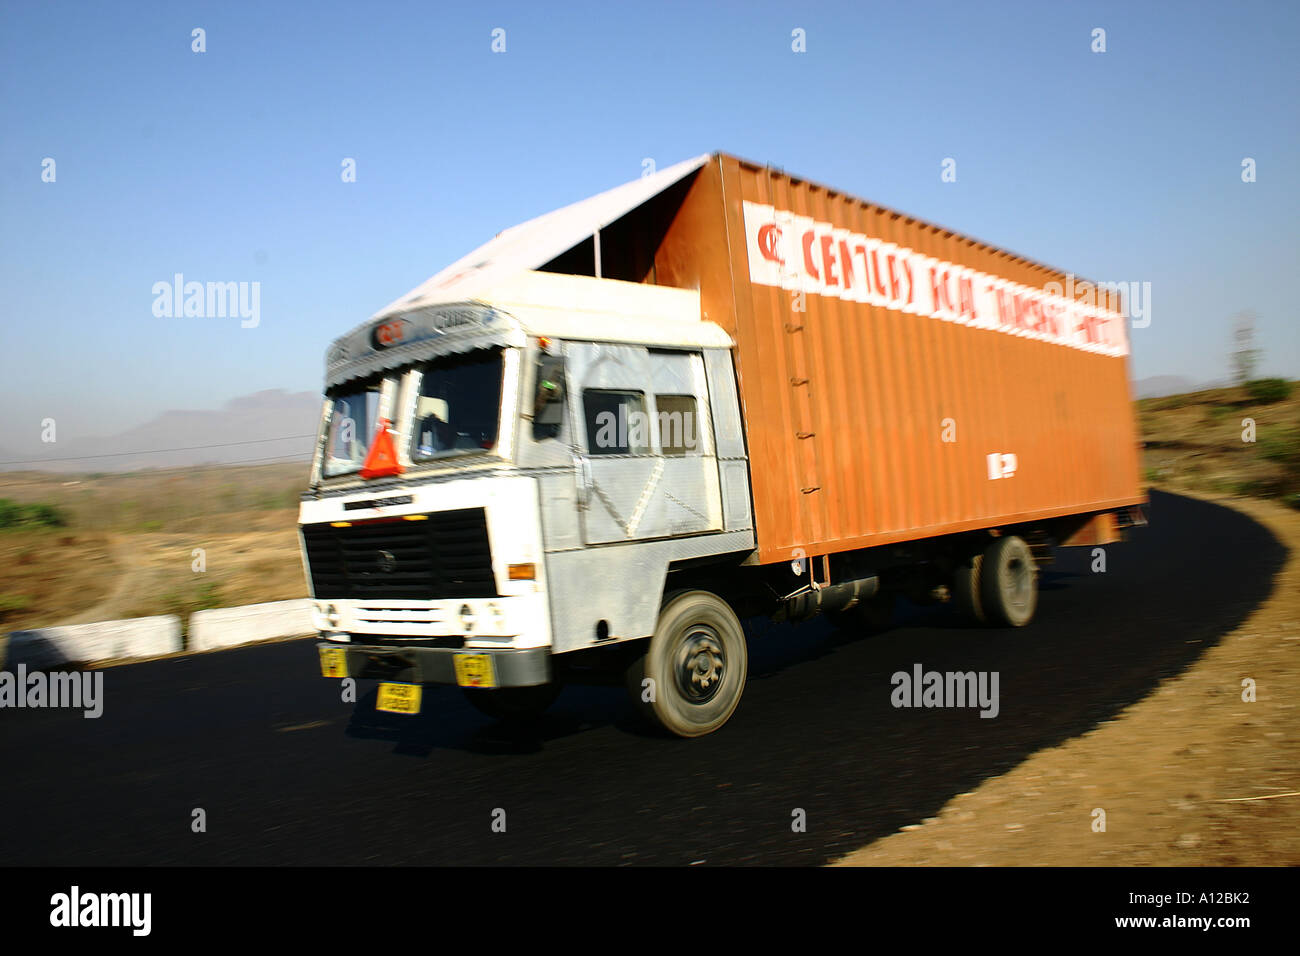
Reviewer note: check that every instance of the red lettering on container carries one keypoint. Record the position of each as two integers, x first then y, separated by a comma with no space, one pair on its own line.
828,260
808,264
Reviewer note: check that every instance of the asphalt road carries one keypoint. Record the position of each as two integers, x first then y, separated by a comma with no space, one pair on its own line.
288,774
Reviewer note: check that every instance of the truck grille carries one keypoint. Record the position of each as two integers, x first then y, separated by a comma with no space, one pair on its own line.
445,556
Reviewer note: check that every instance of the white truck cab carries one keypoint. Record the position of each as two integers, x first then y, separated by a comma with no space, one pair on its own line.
507,479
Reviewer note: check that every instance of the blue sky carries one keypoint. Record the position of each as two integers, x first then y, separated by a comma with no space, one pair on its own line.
225,165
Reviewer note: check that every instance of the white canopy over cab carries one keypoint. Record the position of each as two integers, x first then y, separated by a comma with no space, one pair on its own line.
508,312
534,243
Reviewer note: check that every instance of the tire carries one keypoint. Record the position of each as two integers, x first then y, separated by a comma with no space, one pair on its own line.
966,600
870,616
1008,582
513,703
697,661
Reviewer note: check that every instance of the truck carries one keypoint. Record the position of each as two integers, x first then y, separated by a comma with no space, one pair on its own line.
598,443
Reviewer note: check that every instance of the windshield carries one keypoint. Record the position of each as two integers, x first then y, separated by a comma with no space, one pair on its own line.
353,410
459,405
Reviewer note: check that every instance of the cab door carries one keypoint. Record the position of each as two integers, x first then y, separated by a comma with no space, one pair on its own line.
646,464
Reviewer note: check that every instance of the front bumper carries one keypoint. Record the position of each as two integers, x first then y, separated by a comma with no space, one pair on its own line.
513,667
516,619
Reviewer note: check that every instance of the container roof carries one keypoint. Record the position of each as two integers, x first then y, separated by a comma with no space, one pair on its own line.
536,242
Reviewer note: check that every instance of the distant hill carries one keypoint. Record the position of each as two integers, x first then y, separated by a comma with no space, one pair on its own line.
248,428
1158,386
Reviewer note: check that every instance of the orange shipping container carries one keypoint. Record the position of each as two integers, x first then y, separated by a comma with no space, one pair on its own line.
898,380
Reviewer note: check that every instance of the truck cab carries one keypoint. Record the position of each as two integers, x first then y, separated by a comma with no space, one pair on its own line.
508,479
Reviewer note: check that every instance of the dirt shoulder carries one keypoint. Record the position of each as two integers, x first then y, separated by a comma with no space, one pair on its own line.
1190,775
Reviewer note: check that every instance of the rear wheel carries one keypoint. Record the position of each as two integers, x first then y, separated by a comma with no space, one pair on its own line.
1008,582
513,703
691,676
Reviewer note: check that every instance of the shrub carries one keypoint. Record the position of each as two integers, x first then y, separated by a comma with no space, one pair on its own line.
14,602
182,600
1266,391
46,516
1281,445
15,515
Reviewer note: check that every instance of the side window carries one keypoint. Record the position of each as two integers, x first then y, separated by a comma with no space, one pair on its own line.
679,425
616,422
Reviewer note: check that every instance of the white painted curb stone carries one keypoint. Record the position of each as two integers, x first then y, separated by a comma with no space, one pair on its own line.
104,640
229,626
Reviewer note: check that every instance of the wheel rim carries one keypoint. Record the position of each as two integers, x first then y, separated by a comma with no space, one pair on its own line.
699,664
1017,580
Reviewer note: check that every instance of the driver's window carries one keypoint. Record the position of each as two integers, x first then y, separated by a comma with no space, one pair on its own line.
458,405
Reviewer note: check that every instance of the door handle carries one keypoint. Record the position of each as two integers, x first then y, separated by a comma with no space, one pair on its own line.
583,469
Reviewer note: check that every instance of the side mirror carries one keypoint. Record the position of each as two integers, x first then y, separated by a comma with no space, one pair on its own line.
548,393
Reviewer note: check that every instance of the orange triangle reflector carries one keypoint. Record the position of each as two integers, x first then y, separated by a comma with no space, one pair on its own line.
381,461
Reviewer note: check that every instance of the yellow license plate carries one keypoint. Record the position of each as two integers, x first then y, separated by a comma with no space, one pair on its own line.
475,670
399,698
333,662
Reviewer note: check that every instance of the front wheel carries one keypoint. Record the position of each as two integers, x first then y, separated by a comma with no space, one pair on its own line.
691,676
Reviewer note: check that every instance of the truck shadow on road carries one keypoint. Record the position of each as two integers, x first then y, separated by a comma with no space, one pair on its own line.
449,722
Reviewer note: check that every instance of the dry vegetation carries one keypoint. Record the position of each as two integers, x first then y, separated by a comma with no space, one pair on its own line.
127,545
1194,442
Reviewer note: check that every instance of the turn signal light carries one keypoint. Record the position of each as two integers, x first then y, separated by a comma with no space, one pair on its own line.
523,572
